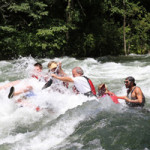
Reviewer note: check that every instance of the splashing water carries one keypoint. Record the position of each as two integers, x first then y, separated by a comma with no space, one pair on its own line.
68,121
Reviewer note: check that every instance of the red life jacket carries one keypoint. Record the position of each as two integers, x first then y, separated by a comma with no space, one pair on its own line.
113,97
91,85
34,76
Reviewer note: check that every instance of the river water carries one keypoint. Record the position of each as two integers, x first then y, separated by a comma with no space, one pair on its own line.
75,122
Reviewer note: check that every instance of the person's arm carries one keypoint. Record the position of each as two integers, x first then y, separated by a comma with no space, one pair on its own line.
65,79
61,70
109,93
121,97
138,94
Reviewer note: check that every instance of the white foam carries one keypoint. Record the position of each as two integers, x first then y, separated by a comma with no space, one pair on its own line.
61,113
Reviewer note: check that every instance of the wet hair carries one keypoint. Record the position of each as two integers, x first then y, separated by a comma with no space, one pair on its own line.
38,65
131,79
79,70
101,85
102,89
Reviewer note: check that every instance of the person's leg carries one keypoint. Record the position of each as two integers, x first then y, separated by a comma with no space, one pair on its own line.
13,93
9,84
24,90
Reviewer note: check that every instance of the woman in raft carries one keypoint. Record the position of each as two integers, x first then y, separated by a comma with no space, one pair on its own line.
103,91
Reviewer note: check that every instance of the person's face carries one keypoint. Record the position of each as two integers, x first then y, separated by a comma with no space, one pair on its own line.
53,70
127,83
37,69
74,73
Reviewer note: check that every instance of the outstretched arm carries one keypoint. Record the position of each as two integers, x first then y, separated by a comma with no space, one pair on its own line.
61,70
138,94
65,79
121,97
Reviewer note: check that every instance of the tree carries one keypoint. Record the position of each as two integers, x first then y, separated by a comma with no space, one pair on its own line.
133,15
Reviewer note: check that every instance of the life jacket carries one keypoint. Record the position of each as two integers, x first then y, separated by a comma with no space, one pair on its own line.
91,85
34,76
113,97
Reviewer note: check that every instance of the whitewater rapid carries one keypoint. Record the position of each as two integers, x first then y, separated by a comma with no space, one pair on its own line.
23,128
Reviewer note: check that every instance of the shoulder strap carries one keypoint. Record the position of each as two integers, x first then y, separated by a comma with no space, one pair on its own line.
85,77
133,89
128,91
91,85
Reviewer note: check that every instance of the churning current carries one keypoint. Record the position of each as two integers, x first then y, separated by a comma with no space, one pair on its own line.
74,122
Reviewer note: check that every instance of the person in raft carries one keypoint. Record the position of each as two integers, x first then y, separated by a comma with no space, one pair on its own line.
56,85
135,96
55,68
103,91
37,74
82,84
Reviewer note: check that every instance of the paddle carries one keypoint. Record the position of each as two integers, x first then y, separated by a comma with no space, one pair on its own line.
49,83
11,92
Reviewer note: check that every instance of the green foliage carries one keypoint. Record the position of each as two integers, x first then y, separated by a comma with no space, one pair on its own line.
8,29
137,24
23,7
87,28
53,40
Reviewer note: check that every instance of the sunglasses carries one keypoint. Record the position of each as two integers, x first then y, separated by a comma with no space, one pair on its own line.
126,82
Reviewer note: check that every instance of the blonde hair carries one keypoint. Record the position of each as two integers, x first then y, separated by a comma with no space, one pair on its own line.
50,63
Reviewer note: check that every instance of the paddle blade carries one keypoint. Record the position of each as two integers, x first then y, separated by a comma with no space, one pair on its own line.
48,84
11,92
